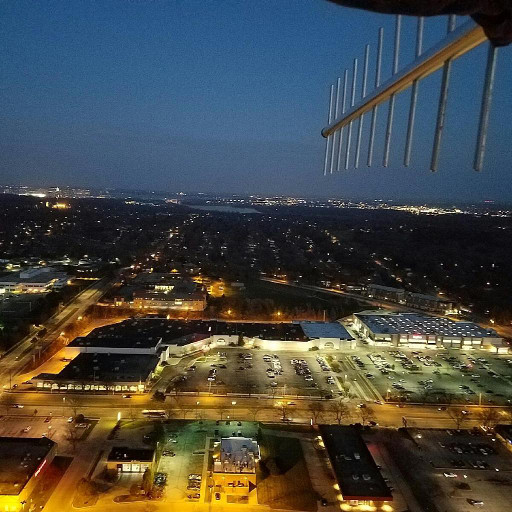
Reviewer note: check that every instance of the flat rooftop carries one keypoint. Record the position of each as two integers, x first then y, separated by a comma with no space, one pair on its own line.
21,457
41,277
179,294
413,323
237,455
155,278
127,334
126,454
428,297
146,332
357,474
386,288
109,368
504,431
325,330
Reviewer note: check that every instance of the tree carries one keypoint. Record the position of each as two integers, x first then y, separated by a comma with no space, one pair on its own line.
253,411
147,481
283,409
340,410
316,409
489,417
459,416
366,414
74,403
86,488
222,410
8,400
72,435
345,389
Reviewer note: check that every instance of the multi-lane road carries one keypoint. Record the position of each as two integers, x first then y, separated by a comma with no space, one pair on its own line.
221,407
14,362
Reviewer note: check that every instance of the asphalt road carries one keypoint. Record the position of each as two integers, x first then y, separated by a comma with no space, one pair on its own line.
215,407
333,291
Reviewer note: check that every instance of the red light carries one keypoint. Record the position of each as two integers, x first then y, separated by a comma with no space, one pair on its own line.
40,468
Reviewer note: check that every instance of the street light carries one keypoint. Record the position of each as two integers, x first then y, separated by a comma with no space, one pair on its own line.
233,403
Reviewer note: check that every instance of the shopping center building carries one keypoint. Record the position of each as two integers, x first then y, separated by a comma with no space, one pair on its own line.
418,330
23,462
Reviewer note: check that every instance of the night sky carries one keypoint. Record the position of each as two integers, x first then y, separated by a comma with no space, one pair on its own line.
225,96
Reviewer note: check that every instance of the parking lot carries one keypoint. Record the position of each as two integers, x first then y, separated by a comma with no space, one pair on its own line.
56,429
443,376
186,452
367,372
456,471
256,372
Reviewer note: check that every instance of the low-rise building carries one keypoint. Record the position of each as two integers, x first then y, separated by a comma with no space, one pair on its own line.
429,303
234,468
124,459
170,300
33,280
359,479
22,464
377,291
102,372
504,434
156,335
415,330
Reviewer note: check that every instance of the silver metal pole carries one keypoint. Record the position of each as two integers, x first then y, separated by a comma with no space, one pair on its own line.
443,100
414,95
363,94
327,143
374,110
457,43
485,107
338,85
343,105
352,103
389,127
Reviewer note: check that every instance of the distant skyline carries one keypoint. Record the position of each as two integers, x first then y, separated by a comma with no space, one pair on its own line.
225,97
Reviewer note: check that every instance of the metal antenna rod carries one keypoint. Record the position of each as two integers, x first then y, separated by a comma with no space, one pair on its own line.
389,127
352,103
485,107
363,94
414,95
327,143
374,110
343,105
443,100
338,85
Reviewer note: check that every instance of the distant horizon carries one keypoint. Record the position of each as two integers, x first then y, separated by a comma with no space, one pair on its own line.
226,195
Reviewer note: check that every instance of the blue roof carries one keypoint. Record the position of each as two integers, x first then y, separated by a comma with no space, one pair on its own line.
325,330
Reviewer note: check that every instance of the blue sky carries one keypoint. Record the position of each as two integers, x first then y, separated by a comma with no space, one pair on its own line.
224,96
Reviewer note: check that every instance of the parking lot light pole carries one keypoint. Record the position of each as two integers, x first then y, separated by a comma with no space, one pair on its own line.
233,403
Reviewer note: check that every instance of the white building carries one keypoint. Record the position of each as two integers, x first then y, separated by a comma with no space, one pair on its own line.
33,280
420,330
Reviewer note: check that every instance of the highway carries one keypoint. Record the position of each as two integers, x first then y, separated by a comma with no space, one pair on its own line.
215,407
13,363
